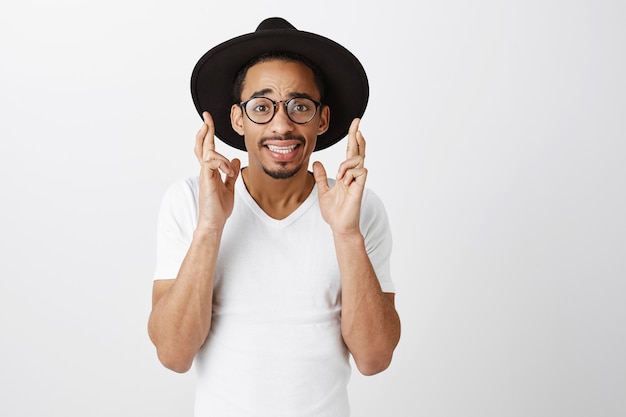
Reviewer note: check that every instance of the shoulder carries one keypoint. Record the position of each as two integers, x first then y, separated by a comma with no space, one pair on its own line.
183,188
374,219
184,185
181,196
372,204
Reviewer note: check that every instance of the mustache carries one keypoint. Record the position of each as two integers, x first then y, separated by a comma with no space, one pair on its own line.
266,139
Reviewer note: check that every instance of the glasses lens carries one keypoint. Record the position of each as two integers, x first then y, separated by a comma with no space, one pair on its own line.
301,109
260,109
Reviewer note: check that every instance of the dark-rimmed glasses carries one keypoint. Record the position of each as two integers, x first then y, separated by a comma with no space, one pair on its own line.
261,110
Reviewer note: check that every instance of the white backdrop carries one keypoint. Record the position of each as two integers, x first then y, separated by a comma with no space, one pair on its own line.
495,136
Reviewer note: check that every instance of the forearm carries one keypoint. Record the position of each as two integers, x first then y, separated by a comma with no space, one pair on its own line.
369,322
181,317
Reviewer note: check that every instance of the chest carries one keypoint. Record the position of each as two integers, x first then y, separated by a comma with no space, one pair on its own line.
268,267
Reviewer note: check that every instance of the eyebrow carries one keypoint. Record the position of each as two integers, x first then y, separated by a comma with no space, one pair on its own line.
263,92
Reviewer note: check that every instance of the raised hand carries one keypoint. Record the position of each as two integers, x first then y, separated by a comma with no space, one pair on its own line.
216,196
341,204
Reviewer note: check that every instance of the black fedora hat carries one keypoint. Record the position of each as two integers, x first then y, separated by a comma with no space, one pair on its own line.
346,89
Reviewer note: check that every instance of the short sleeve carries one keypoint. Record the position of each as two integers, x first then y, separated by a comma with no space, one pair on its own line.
176,223
378,240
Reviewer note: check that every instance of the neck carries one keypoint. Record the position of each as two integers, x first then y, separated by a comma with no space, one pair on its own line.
278,197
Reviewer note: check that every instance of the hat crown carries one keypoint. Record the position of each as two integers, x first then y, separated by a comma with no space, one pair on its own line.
274,23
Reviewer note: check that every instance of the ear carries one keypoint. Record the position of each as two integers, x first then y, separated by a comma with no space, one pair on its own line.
324,120
236,118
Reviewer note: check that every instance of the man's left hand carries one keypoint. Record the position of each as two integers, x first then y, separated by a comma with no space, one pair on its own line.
341,204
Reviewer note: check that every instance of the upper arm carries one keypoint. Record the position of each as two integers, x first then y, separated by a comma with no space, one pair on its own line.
392,297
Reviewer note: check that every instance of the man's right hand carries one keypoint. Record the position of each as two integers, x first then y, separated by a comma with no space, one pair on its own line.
216,196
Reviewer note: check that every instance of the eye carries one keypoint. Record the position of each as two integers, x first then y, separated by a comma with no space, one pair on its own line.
259,106
301,105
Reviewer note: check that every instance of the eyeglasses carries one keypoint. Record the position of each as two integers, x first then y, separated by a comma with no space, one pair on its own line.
261,110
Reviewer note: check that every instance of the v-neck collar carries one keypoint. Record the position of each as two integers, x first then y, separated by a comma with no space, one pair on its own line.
270,221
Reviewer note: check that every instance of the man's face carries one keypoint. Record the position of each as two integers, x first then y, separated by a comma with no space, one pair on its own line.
281,148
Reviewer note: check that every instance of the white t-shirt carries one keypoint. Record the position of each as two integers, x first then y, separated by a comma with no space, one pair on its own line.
275,346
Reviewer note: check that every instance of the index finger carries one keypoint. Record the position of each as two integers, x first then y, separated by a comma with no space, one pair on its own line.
208,144
355,146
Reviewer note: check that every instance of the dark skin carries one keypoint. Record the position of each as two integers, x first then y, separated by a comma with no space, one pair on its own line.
181,316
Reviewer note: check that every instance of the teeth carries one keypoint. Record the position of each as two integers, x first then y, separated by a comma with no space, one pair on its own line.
281,149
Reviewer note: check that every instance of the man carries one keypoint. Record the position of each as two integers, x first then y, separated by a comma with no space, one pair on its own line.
268,280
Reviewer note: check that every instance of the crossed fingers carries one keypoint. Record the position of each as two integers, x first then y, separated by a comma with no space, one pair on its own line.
353,167
205,148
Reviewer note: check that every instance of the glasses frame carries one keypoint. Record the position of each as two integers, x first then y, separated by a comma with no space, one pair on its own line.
243,105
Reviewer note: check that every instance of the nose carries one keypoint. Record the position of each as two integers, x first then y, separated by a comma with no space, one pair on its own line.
281,123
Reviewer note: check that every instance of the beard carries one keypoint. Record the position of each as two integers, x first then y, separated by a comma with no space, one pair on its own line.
282,172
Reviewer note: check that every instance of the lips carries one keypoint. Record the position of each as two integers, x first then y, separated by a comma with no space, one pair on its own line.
282,148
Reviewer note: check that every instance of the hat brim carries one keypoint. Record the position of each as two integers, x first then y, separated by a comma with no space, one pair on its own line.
345,81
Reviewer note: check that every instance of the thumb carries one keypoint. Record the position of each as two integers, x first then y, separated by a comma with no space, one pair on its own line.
319,173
